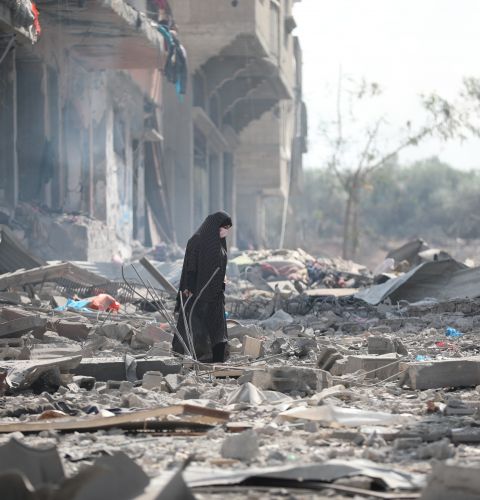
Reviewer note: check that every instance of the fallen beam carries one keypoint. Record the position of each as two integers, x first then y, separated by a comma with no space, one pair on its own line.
187,415
104,369
159,277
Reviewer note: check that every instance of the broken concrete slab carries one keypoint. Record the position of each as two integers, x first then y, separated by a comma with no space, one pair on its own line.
66,272
380,367
384,345
243,446
21,326
463,372
40,466
288,379
447,482
152,334
73,330
116,331
113,368
22,374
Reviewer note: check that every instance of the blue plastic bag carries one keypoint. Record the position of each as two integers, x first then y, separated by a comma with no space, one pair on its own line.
451,332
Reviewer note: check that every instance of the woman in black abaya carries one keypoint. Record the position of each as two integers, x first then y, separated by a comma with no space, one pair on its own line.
202,288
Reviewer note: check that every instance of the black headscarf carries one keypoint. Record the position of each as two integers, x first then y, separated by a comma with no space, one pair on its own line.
206,252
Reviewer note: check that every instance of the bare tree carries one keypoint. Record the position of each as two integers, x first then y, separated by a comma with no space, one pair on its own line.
353,157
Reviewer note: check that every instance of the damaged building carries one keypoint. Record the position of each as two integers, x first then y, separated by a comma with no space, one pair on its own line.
110,136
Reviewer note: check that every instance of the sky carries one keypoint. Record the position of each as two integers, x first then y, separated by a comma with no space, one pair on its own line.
409,47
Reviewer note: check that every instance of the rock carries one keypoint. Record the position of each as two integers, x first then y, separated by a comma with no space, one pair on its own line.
116,331
288,379
253,348
189,393
380,345
449,482
133,401
243,446
84,382
173,381
153,380
440,450
152,334
380,367
277,321
327,358
125,387
235,345
406,443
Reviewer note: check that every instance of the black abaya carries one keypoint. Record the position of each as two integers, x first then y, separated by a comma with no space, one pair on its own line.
203,274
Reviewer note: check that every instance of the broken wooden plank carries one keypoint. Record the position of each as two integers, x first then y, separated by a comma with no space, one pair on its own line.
20,326
159,277
331,292
187,414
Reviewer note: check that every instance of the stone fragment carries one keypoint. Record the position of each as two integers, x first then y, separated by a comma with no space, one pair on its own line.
380,367
243,446
288,379
235,345
173,381
440,450
406,443
153,380
463,372
327,358
84,382
279,320
448,482
116,331
152,334
253,348
189,393
380,345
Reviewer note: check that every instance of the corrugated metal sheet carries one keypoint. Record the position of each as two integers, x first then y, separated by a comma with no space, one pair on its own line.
13,255
440,280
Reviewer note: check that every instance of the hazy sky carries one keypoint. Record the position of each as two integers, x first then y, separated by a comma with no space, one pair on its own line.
407,46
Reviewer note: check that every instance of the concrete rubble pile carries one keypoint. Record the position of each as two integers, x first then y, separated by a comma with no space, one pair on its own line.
341,397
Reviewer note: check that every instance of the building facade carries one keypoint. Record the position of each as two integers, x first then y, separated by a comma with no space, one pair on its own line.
99,151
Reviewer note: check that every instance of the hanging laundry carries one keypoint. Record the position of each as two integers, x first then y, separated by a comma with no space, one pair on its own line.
176,70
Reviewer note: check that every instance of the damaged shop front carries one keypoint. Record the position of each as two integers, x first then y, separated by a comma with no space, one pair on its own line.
79,115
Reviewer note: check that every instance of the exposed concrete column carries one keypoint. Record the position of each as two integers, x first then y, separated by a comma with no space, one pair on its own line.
216,182
230,193
250,220
178,134
8,131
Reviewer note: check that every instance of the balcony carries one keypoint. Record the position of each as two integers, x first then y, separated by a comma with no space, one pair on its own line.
103,34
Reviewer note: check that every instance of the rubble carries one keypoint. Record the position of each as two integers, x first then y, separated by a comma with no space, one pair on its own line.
313,378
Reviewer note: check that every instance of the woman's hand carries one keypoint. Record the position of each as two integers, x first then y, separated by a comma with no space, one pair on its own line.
187,293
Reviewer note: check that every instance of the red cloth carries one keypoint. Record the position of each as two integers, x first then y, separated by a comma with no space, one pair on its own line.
104,302
36,21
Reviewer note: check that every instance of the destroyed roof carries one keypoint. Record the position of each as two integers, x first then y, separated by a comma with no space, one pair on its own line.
13,255
441,280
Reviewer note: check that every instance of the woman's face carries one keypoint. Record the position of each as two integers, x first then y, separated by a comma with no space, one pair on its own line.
224,232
